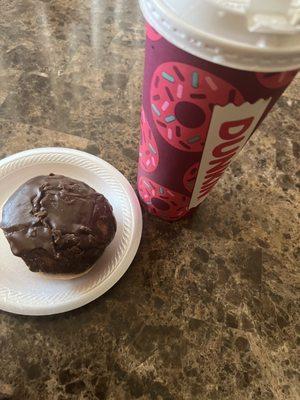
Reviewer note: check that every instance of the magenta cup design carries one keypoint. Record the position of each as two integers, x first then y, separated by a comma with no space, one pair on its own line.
196,116
148,154
182,98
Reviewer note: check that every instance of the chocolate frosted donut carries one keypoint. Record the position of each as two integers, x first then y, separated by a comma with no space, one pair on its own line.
58,225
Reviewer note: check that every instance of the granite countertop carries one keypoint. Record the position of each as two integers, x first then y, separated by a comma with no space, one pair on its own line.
208,309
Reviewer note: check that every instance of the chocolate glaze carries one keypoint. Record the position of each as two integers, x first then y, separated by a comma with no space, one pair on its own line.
58,224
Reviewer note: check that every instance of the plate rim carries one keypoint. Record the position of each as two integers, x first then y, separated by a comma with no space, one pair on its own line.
124,264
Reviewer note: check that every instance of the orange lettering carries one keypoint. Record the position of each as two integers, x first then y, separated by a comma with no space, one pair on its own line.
231,125
220,163
203,194
219,150
209,187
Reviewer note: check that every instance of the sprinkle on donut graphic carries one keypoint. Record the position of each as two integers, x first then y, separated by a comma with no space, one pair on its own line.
152,34
148,153
182,101
275,80
190,176
161,201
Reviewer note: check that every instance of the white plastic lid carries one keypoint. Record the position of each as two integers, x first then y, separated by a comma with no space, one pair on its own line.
253,35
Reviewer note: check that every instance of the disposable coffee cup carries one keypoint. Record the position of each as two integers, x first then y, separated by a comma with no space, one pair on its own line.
213,71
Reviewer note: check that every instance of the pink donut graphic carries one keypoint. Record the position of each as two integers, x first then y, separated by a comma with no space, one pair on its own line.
190,176
182,100
275,80
161,201
148,153
152,34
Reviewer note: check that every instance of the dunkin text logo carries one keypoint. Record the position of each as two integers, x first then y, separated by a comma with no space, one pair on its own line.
229,130
223,152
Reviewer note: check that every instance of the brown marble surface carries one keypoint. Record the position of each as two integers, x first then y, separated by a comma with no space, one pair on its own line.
208,309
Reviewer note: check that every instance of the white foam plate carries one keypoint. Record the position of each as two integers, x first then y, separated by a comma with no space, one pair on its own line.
28,293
